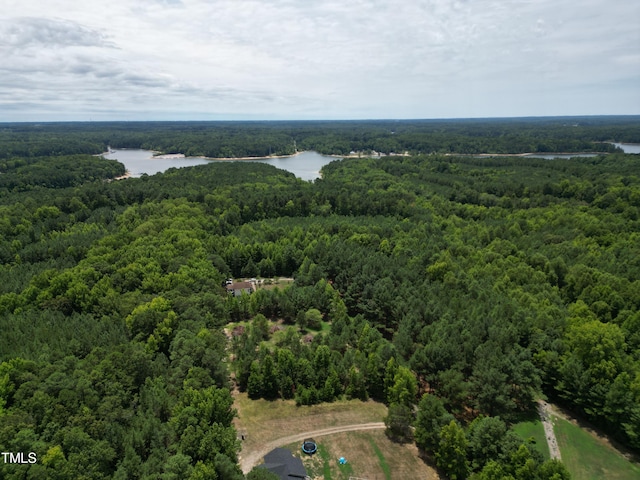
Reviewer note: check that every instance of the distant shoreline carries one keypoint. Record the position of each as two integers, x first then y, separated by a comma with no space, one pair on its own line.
303,164
250,158
127,174
231,159
172,156
526,154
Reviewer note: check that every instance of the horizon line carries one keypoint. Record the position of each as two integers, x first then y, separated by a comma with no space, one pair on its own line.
336,120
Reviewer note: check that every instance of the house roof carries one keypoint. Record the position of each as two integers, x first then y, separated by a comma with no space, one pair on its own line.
281,462
239,286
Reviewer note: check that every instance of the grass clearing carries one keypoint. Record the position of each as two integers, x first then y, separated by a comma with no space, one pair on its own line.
267,420
383,463
533,429
326,327
262,421
272,283
326,466
588,458
370,455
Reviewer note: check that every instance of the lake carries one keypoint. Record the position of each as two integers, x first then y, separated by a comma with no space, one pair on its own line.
626,148
629,147
560,156
139,162
305,165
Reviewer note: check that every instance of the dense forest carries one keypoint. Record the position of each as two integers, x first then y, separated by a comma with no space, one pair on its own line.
457,290
258,139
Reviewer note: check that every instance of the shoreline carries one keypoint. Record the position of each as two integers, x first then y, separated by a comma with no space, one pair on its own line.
231,159
173,156
177,156
525,154
127,174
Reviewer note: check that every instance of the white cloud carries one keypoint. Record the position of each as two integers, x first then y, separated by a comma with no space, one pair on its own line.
311,58
47,33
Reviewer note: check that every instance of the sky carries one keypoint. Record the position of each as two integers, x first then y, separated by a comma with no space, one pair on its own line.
94,60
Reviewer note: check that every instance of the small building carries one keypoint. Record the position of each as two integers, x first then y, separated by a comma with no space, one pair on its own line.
281,462
237,288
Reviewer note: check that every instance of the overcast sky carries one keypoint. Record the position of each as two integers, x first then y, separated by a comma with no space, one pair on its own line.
317,59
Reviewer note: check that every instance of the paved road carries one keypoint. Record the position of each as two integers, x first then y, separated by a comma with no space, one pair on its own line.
249,460
544,410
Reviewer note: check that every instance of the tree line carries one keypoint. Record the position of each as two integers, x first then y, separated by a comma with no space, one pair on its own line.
257,139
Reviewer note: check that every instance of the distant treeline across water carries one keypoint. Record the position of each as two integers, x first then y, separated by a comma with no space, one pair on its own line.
262,139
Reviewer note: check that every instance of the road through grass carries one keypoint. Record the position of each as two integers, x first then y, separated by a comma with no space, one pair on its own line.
370,455
268,424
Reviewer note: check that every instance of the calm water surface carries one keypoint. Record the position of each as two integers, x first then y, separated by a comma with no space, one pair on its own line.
629,147
139,162
626,148
551,156
305,165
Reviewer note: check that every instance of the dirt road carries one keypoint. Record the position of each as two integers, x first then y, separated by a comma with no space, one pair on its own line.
544,410
248,460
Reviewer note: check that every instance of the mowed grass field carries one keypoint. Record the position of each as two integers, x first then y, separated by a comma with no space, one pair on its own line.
265,421
590,458
370,454
533,429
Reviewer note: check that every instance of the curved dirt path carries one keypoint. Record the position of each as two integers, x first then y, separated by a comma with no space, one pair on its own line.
250,459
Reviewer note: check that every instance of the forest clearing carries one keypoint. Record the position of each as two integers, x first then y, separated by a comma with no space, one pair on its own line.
264,422
589,454
371,455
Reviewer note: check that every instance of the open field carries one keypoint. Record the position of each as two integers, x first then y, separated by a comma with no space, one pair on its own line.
369,454
590,458
263,422
279,282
